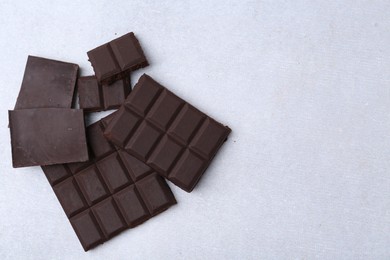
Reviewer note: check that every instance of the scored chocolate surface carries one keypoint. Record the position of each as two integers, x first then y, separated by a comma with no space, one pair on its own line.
94,97
47,84
108,194
45,136
167,133
115,59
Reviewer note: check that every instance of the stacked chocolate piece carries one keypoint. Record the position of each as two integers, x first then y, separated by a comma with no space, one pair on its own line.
109,176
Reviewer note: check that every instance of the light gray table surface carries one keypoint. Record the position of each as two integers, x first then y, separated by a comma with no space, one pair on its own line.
305,87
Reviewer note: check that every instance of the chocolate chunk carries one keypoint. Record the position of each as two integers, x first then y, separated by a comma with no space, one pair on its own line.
94,97
111,192
167,133
114,60
46,136
47,84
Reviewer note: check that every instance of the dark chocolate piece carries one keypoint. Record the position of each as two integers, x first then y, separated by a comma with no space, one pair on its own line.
47,84
111,192
114,60
45,136
167,133
94,97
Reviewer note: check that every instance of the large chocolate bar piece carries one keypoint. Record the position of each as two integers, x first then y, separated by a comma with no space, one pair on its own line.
47,84
45,136
114,60
94,97
167,133
111,192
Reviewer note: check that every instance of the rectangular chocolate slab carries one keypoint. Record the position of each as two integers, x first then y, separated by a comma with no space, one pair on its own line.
115,59
94,97
45,136
47,84
111,192
167,133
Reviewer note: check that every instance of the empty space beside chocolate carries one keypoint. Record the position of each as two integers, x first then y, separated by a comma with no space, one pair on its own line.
167,133
47,84
46,136
115,59
94,97
111,192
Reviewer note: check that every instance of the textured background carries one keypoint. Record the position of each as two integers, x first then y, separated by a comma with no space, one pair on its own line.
305,86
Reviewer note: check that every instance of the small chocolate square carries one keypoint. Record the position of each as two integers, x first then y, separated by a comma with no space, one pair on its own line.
143,140
164,110
185,124
91,185
113,172
108,217
87,230
115,94
131,206
165,155
89,93
187,170
155,193
70,197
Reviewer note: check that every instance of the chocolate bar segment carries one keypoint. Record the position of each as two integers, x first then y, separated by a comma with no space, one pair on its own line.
47,84
116,93
87,229
94,97
111,192
167,133
115,59
46,136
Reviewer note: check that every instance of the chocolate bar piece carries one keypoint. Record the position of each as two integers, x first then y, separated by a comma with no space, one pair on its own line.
94,97
45,136
167,133
47,84
108,194
114,60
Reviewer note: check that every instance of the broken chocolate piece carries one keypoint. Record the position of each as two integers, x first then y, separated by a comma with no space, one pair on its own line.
47,84
46,136
94,97
114,60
